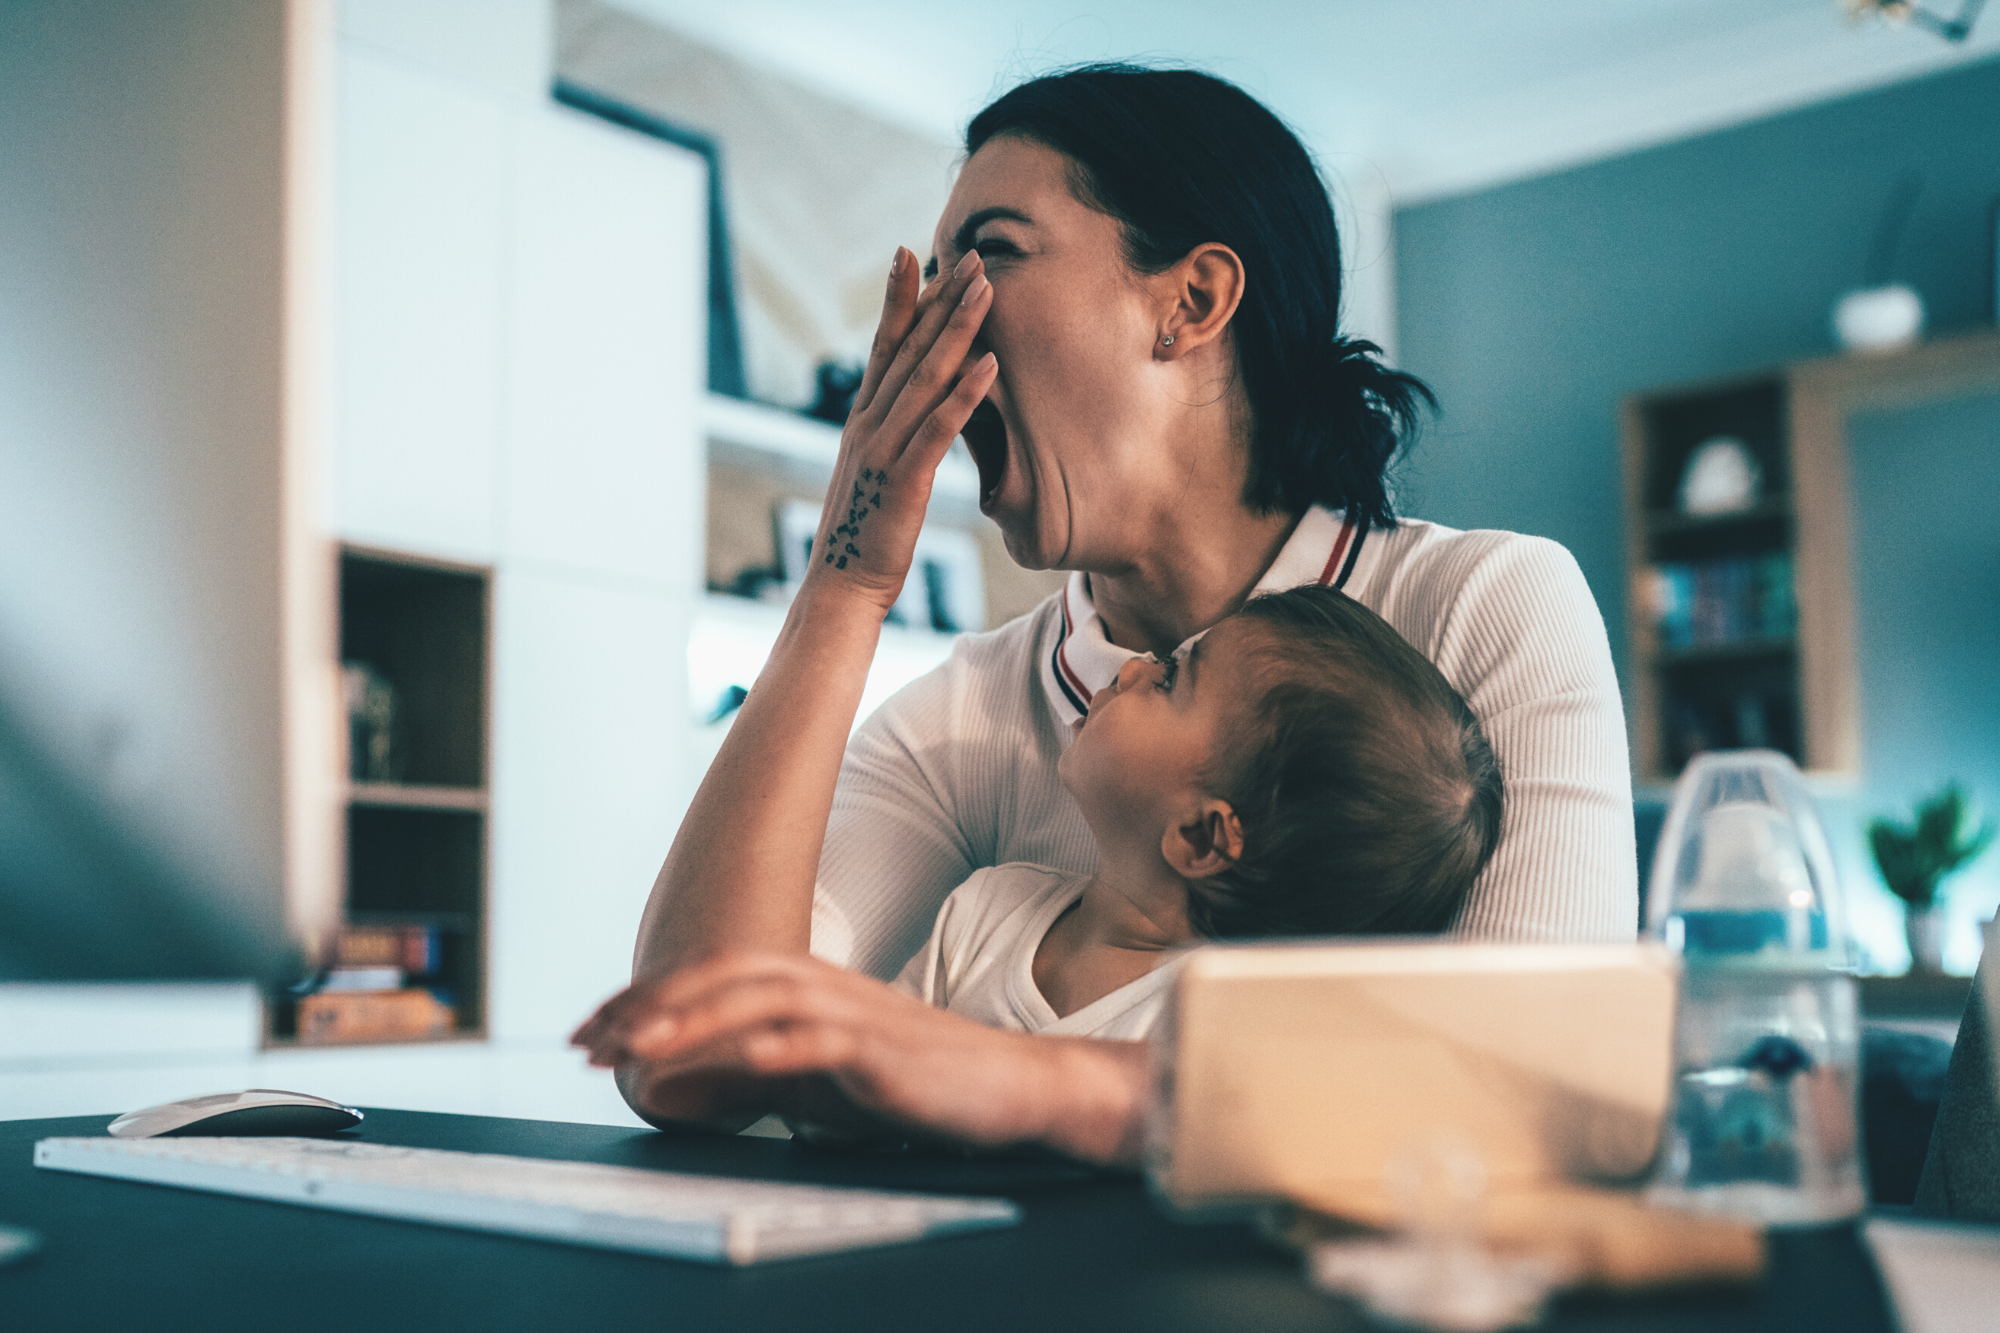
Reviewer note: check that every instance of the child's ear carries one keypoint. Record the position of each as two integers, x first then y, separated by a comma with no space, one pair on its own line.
1206,840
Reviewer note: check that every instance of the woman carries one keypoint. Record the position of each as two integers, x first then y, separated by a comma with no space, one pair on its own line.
1132,320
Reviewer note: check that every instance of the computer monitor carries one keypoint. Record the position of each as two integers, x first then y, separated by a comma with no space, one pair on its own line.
168,727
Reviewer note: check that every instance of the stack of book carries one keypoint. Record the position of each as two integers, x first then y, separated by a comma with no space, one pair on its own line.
1714,603
369,996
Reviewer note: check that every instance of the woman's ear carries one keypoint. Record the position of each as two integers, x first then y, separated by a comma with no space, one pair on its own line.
1199,297
1205,841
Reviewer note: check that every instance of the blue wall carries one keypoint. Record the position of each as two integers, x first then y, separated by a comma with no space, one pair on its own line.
1533,308
1927,621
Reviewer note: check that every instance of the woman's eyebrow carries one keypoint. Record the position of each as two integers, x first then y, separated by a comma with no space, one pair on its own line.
961,240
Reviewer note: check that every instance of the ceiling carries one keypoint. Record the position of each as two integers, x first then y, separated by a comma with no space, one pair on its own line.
1418,99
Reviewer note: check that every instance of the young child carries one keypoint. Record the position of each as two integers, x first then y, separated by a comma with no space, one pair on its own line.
1300,771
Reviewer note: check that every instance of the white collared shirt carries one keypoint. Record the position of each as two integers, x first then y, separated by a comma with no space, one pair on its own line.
957,771
1321,549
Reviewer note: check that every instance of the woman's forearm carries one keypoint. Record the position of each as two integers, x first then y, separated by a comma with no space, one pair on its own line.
736,1034
1094,1100
740,873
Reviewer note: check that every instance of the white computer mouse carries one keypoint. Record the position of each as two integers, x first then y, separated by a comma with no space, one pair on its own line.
259,1111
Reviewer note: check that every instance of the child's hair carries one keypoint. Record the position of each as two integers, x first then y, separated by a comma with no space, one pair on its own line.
1369,796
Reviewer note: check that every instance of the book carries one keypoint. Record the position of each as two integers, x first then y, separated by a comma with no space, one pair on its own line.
363,978
416,949
332,1018
1711,603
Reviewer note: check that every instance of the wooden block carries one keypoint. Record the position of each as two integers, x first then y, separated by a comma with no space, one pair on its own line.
1290,1071
1600,1238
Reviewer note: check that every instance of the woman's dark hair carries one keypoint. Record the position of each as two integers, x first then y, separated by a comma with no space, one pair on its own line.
1181,159
1369,796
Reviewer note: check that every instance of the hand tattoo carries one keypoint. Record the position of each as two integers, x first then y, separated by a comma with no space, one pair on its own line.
841,542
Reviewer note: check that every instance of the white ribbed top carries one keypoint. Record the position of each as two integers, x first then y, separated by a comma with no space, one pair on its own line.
958,770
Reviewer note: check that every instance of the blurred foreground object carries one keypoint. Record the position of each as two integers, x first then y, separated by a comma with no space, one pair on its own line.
1903,11
1962,1171
1475,1100
1767,1047
169,782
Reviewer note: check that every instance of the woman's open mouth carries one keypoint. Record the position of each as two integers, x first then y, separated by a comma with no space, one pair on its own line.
986,436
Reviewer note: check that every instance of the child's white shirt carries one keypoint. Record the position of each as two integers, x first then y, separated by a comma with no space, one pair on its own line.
979,960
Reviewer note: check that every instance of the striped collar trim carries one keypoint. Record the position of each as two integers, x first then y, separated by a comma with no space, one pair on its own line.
1324,548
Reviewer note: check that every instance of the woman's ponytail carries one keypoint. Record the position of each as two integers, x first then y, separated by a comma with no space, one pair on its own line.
1327,434
1181,159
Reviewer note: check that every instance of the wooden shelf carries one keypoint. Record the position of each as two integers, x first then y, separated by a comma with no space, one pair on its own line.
409,796
1662,522
1753,690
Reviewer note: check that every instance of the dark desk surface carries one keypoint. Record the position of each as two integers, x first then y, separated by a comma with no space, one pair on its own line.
1092,1254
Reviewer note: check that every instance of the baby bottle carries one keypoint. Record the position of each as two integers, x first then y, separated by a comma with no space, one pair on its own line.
1765,1122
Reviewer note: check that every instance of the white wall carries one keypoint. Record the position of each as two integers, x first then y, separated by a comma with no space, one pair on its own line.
521,306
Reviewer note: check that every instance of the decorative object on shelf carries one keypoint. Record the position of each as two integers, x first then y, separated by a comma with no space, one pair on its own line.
836,386
726,704
797,522
1884,313
1905,11
946,588
1878,319
1722,477
1916,858
373,752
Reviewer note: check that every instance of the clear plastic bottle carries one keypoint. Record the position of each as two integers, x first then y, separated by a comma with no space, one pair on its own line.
1765,1122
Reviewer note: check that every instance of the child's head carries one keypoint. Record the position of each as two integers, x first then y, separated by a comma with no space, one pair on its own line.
1305,770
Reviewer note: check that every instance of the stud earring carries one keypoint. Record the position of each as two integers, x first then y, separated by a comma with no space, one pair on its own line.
1167,341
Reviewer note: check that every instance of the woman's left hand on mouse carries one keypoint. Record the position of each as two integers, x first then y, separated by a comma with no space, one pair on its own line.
915,397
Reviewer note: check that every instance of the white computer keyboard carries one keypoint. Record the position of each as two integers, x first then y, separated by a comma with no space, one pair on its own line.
708,1218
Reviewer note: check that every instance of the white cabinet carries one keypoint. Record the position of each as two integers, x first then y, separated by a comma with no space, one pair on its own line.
588,787
521,295
421,236
524,295
606,349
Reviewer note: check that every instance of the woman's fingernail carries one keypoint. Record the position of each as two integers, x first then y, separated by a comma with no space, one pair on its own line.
975,291
896,263
967,264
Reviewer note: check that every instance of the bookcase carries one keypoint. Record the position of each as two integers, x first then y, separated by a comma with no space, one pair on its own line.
1741,624
1717,619
410,960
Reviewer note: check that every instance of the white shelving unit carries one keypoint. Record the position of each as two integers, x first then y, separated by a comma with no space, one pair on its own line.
751,433
731,638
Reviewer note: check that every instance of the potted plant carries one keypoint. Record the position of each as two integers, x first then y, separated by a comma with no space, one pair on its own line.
1915,859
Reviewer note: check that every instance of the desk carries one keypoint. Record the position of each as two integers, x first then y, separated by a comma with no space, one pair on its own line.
1091,1254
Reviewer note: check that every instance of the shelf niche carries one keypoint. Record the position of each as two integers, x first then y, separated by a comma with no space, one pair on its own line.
1794,421
417,835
